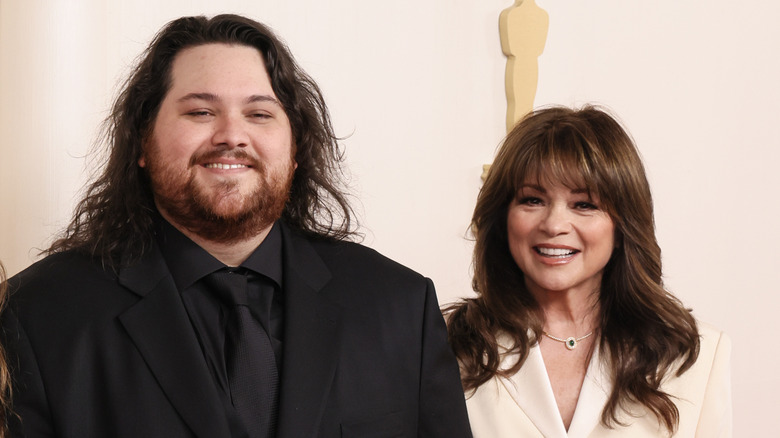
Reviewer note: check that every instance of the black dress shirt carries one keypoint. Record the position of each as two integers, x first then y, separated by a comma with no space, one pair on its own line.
189,263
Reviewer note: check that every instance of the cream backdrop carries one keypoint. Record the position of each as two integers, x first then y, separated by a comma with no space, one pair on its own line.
417,87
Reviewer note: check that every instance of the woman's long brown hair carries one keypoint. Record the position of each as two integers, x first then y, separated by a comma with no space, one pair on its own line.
645,333
5,377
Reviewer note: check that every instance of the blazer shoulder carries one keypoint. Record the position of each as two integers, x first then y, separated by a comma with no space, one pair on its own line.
704,389
715,416
58,270
60,281
714,354
714,349
712,337
342,256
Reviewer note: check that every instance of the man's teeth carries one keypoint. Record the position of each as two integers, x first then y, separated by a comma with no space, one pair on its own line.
555,252
225,166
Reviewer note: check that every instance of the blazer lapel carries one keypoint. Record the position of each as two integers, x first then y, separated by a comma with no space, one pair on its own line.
160,328
593,396
311,340
531,390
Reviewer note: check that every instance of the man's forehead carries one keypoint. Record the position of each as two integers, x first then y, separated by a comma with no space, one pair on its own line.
192,60
208,68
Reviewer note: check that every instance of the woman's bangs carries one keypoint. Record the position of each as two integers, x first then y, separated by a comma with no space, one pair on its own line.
565,165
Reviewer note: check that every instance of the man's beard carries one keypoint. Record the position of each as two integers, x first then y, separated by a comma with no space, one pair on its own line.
219,213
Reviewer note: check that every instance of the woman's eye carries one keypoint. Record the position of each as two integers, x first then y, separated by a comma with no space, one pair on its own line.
529,200
586,206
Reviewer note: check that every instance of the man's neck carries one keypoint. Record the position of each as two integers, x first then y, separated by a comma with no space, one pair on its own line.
231,254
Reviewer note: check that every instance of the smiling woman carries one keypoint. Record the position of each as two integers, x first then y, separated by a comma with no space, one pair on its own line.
572,333
559,238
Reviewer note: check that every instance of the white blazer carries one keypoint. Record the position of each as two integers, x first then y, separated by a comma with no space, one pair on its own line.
524,405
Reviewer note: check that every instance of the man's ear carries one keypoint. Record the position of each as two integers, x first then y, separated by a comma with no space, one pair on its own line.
142,157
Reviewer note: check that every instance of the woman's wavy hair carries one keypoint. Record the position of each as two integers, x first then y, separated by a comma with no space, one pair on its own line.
5,375
116,215
646,333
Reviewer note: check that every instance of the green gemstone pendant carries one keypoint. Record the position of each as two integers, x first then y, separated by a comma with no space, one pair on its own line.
570,343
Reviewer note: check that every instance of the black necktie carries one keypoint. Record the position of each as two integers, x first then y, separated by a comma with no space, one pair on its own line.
251,366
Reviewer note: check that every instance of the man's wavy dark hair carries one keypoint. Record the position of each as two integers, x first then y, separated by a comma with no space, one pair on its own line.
116,216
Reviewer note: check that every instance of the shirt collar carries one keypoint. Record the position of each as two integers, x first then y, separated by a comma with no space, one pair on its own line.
267,258
188,262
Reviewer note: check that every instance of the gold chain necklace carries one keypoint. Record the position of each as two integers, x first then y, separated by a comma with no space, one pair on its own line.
570,342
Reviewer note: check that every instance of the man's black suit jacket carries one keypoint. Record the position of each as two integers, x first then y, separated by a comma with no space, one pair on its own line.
101,354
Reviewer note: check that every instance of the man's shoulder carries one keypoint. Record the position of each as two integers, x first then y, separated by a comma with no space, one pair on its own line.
353,256
65,262
58,272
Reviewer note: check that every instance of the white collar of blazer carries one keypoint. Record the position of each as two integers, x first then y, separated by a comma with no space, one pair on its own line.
531,390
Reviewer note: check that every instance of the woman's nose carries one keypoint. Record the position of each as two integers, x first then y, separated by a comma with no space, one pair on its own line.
556,220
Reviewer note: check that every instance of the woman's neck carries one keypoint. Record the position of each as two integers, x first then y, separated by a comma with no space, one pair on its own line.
569,313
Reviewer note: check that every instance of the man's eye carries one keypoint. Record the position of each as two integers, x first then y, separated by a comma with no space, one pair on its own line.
199,113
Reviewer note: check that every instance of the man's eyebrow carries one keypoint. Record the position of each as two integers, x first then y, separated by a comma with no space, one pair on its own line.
210,97
262,98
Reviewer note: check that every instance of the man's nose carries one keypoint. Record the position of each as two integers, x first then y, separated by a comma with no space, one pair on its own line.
230,131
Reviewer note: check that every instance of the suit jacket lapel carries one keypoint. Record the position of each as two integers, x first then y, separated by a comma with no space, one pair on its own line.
531,390
311,340
160,328
593,396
